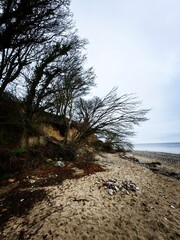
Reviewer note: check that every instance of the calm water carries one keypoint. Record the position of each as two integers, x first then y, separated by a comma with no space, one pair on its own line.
159,147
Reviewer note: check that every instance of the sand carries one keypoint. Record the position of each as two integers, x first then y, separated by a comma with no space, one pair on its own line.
83,209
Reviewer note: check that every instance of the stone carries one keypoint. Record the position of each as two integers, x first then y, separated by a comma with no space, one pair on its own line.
110,191
113,187
59,164
32,181
11,180
49,160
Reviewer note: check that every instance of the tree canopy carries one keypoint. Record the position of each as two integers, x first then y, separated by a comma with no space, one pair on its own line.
43,65
111,118
24,27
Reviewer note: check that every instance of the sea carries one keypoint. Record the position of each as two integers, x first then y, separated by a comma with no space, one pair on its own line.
172,147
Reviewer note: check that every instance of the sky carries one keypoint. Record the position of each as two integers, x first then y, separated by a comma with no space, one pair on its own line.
135,45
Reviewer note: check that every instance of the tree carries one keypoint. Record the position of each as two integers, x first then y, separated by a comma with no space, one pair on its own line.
59,72
24,27
111,118
74,83
46,78
39,83
40,80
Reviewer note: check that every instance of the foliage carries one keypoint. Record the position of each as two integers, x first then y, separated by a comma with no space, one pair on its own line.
19,151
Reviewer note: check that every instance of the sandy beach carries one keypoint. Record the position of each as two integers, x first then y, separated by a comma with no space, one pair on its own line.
82,208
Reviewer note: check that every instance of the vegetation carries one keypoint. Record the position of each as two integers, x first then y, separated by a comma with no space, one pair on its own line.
44,80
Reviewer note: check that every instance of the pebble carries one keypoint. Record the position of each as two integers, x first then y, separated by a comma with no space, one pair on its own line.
110,191
32,181
60,164
113,186
49,160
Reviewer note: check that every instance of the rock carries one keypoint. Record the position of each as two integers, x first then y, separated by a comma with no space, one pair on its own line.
172,206
11,180
113,186
49,160
32,181
60,164
132,186
110,191
108,184
116,188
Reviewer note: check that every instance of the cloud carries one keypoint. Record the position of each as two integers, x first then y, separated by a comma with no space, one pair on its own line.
135,45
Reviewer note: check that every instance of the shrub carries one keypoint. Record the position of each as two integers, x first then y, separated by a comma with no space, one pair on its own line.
18,151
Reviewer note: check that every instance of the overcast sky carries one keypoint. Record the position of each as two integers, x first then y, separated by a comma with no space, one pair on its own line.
135,45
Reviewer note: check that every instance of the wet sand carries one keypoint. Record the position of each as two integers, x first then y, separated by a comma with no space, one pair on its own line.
82,208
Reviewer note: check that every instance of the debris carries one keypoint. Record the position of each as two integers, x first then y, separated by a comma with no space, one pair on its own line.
113,187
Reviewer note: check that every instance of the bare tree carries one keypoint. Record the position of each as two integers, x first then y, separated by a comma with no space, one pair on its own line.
111,118
54,75
76,82
24,26
45,78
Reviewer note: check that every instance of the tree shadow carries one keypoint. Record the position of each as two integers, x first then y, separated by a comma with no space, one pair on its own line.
18,202
29,187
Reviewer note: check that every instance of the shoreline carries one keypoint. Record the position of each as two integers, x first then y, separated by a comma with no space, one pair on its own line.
159,156
161,163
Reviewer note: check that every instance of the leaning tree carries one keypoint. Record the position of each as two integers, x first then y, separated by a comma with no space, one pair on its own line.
24,27
75,81
111,118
